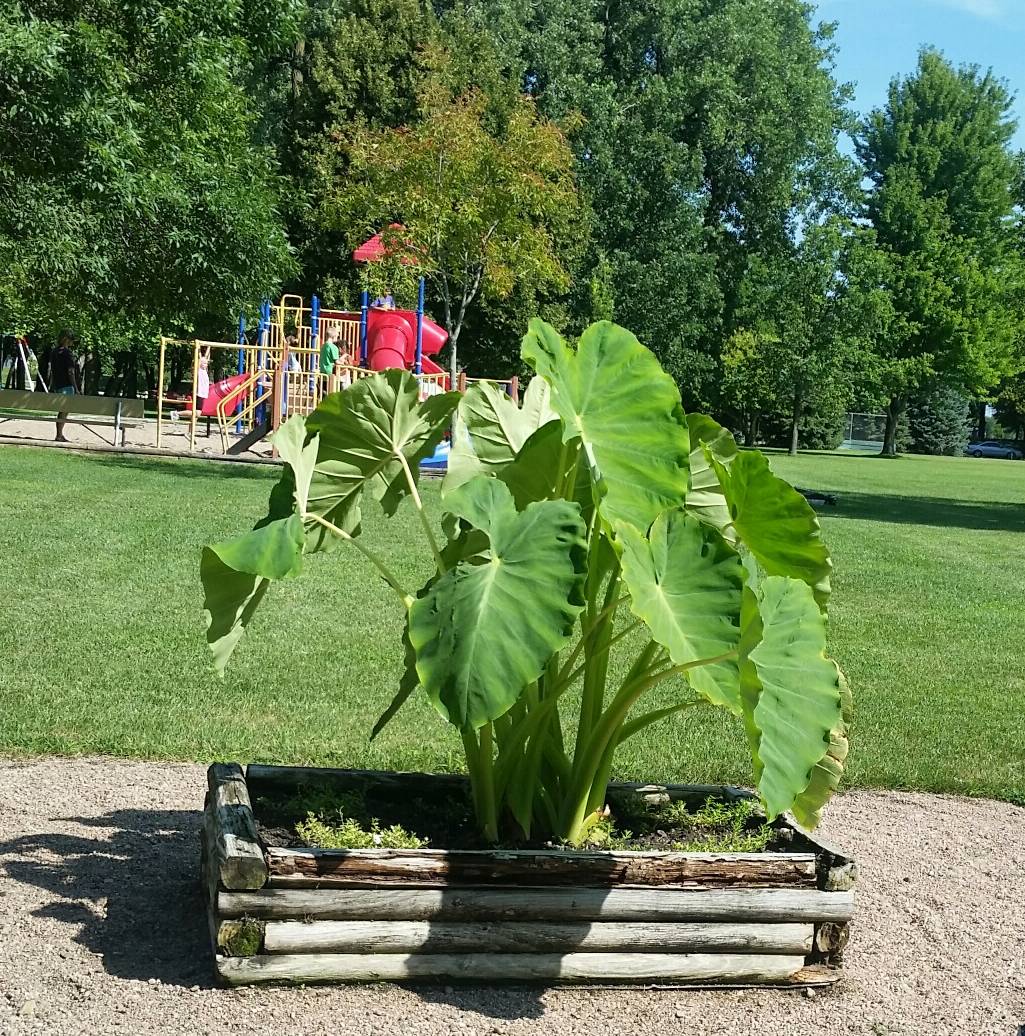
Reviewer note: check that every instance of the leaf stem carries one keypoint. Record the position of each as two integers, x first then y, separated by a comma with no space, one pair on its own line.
407,598
487,784
419,504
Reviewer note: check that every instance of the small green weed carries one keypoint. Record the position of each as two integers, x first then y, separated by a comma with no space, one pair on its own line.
717,827
347,833
342,820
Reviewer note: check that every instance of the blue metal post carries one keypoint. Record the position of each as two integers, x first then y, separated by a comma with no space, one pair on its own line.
241,354
364,307
261,356
419,364
315,331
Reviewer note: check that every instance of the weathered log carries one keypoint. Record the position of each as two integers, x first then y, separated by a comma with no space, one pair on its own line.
702,968
209,878
767,905
524,937
425,868
233,844
830,940
290,778
836,872
842,876
240,938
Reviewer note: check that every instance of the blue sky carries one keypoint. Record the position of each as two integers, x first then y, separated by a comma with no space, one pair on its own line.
878,39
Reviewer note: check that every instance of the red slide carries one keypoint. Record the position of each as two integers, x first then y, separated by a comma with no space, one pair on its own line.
391,340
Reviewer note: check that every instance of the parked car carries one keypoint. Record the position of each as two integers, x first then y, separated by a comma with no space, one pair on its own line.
994,449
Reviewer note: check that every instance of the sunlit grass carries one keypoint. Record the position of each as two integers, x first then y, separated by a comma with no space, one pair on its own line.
103,650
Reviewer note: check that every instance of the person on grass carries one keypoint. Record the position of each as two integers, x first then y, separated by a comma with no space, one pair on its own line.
63,376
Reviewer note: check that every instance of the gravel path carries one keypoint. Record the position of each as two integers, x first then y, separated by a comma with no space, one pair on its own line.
101,929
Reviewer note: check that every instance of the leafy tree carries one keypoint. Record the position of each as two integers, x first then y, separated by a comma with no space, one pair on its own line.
941,203
1010,405
134,188
364,63
795,299
487,200
750,385
705,127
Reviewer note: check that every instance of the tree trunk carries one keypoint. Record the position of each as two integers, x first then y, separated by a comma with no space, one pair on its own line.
453,362
980,418
894,411
795,424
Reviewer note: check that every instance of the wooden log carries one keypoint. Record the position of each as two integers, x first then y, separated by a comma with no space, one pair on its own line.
766,905
701,968
830,940
524,937
233,842
836,872
426,868
240,938
263,778
209,878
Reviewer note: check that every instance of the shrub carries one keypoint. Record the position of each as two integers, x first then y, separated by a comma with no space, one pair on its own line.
597,499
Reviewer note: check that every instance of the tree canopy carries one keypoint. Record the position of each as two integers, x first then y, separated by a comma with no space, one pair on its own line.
941,203
673,165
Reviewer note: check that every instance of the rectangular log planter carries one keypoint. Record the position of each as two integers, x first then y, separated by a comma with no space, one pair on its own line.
551,916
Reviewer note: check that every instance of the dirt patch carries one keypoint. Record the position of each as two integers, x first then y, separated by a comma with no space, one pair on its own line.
102,930
447,822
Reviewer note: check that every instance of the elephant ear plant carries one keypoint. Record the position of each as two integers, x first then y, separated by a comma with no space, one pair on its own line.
595,521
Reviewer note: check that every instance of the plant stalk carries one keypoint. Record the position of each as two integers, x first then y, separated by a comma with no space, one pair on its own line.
407,598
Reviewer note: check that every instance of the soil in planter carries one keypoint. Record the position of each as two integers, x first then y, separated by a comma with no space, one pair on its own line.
323,817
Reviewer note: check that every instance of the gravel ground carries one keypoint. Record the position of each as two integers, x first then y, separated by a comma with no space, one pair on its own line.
101,929
175,435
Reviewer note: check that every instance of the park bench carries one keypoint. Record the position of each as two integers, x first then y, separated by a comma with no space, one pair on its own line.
18,405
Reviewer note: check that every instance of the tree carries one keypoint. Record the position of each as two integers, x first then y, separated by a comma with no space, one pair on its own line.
487,200
706,127
750,386
795,301
938,422
941,203
1010,405
135,189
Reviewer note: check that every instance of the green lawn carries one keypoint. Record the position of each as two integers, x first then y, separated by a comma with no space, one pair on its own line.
103,645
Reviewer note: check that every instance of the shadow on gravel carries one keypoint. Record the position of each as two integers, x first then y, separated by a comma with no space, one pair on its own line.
509,1004
147,870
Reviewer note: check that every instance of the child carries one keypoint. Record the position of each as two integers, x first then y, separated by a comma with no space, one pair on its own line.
341,368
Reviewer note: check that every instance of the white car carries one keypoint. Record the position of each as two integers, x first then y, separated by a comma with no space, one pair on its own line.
994,449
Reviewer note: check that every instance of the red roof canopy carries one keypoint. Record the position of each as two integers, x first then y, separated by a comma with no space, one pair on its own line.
375,249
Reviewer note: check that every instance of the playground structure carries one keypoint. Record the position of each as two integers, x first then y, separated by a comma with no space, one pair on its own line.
280,373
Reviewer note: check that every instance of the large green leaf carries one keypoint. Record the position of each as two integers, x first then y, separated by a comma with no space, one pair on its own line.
776,523
825,778
490,429
366,432
488,626
236,574
230,600
705,498
300,456
534,471
791,691
613,396
685,582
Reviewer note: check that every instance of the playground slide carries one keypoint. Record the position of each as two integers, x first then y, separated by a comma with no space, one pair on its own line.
391,339
428,366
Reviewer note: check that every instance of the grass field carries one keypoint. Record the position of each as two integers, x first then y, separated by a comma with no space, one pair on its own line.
103,651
